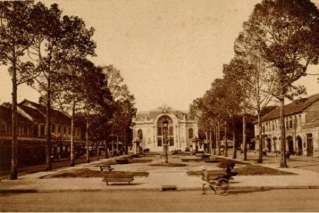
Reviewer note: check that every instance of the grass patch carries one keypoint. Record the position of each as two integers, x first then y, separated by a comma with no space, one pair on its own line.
193,159
223,163
245,170
141,160
88,173
260,170
169,164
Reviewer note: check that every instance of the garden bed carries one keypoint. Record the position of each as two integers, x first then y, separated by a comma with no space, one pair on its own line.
88,173
246,170
192,159
141,160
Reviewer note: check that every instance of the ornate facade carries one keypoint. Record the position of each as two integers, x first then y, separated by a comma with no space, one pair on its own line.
149,129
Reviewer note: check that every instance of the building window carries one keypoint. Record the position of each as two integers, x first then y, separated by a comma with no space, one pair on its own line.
190,133
159,141
35,131
25,130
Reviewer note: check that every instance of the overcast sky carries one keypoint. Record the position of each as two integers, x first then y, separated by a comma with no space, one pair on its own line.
168,51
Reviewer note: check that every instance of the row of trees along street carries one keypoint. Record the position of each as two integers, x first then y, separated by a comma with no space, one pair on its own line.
278,43
50,51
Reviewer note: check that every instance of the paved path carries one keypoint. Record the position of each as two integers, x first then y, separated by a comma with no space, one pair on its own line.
158,176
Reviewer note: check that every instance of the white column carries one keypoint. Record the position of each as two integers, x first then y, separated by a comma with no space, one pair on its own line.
154,137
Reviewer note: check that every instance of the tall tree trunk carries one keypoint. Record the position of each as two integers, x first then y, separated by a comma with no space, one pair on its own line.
244,138
260,141
207,141
48,125
87,141
125,142
210,141
215,142
112,146
283,159
226,145
218,138
14,142
117,145
234,140
72,157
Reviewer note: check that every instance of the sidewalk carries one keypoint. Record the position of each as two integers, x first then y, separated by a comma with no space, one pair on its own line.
157,178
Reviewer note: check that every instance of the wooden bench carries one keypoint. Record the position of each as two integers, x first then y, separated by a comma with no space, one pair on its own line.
123,179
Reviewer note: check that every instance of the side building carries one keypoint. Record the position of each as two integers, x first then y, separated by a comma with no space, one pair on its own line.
148,129
302,127
31,134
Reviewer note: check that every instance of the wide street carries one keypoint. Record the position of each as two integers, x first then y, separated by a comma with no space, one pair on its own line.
274,200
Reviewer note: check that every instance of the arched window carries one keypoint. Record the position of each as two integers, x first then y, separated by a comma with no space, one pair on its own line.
165,132
190,133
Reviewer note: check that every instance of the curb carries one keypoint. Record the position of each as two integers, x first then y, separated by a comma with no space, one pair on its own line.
231,188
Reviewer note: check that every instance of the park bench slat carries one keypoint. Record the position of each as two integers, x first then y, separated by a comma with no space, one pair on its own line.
110,179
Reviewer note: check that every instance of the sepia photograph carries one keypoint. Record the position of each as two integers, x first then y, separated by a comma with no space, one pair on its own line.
159,106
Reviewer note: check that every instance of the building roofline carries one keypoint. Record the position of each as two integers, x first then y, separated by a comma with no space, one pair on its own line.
296,108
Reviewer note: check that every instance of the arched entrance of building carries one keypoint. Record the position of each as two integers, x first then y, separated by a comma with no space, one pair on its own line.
309,145
290,143
161,131
299,145
140,134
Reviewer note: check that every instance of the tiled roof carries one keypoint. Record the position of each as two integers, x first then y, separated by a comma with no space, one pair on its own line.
5,114
294,107
38,111
36,116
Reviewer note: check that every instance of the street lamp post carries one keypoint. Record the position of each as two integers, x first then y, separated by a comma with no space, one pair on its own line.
165,140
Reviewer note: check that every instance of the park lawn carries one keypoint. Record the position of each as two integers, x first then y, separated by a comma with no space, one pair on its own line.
246,170
88,173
